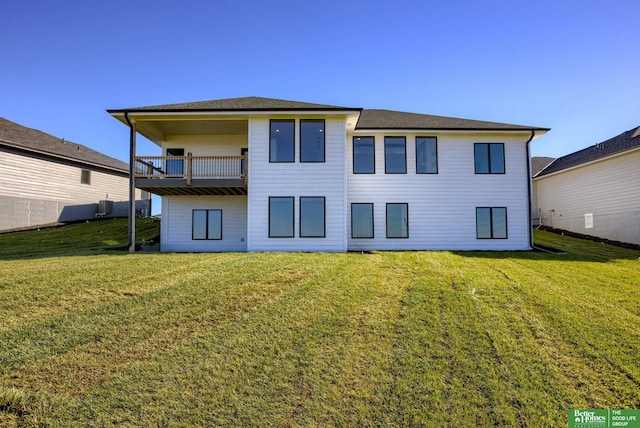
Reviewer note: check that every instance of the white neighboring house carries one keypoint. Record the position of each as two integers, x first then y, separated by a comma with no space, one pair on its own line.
45,180
594,191
261,174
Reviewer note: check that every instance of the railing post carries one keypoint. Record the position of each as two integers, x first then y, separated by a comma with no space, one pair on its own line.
246,169
189,169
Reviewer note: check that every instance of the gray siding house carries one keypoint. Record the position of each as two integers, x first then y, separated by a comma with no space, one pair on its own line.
45,179
594,191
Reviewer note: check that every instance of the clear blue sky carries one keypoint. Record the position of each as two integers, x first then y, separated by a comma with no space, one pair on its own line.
573,66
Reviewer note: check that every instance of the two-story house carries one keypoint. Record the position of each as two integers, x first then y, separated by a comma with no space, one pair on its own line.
260,174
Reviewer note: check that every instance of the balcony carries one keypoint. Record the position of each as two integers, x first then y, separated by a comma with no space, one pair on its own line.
192,175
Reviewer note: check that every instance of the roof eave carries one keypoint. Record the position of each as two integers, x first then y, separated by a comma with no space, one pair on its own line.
611,156
541,131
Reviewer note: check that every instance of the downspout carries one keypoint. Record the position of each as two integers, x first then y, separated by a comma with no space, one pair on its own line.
132,184
530,195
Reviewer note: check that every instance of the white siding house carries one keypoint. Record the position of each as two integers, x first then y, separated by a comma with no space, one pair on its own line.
594,191
260,174
45,179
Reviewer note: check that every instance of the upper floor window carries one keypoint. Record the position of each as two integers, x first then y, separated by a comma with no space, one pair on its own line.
281,140
312,140
206,224
491,223
364,157
398,220
85,176
395,155
489,158
281,217
426,155
312,217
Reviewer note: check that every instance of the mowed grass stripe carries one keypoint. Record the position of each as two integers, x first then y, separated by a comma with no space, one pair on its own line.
124,321
390,338
84,282
279,365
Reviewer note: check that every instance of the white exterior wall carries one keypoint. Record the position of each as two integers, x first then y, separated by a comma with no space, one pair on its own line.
609,189
206,145
35,191
297,179
176,225
442,207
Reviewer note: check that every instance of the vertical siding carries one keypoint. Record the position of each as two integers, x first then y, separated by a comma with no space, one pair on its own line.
297,179
176,234
608,189
36,191
442,206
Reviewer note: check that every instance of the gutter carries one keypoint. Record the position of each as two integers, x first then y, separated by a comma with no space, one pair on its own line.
530,194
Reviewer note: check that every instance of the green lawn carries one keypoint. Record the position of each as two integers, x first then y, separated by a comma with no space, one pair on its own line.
442,339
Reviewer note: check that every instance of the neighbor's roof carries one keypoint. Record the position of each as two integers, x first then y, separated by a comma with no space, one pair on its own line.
234,104
621,143
34,141
388,119
539,163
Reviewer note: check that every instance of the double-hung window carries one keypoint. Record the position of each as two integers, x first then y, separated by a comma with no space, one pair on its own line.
426,155
281,216
312,140
398,220
362,220
312,217
395,155
206,224
282,140
364,157
489,158
491,223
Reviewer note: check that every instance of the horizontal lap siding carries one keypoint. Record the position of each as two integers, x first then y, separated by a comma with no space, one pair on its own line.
177,212
206,145
609,189
42,191
442,207
297,179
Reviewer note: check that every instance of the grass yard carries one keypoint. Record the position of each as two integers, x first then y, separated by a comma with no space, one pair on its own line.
444,339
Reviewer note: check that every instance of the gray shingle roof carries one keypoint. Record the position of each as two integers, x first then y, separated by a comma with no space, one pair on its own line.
539,163
388,119
234,104
31,140
620,143
369,119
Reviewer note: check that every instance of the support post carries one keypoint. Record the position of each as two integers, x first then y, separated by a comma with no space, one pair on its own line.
189,169
132,187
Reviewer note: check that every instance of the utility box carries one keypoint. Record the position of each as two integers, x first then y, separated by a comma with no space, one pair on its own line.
105,209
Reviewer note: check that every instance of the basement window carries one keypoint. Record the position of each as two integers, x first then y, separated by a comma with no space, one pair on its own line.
206,224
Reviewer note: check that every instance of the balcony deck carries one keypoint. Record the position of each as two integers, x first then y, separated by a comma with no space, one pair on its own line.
192,175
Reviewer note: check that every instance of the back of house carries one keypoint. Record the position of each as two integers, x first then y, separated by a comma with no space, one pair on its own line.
262,174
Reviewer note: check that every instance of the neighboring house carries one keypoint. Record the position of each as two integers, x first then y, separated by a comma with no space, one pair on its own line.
260,174
45,179
594,191
537,164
